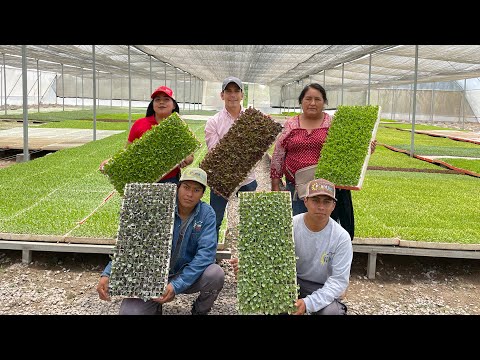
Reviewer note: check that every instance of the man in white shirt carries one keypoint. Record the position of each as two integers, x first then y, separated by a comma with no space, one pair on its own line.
216,128
324,254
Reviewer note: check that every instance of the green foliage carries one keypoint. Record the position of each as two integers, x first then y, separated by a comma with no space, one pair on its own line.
466,164
418,206
103,223
50,195
387,158
141,258
86,124
245,95
417,126
153,155
346,148
427,145
102,112
267,280
289,113
232,159
413,206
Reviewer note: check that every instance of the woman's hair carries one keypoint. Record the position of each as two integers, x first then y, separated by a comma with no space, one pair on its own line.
150,110
315,86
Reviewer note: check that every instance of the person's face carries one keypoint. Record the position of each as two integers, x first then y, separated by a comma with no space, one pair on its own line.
189,193
163,105
320,206
313,102
232,95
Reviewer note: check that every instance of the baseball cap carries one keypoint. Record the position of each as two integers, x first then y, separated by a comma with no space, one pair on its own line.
195,174
321,187
164,89
231,79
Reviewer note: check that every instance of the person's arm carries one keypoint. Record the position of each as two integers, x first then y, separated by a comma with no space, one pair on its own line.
102,286
187,161
275,184
212,136
206,254
337,282
102,165
234,263
278,159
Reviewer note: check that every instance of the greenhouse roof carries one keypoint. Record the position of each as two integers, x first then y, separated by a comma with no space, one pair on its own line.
350,66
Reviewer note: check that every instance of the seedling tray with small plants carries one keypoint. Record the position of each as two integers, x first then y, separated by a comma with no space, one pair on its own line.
153,155
237,153
267,277
141,258
346,151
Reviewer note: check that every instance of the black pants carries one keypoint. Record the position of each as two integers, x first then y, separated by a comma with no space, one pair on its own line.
336,307
343,212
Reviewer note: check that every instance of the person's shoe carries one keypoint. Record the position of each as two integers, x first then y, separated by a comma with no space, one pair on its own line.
195,312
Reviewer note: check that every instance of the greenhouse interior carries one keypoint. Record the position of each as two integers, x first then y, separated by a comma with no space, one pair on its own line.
69,108
444,78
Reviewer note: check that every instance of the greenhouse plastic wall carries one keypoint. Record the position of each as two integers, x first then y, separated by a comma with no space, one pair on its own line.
436,102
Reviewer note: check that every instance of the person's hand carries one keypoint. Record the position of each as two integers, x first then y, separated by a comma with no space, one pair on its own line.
234,263
167,296
216,192
102,288
373,145
102,165
301,307
275,184
187,161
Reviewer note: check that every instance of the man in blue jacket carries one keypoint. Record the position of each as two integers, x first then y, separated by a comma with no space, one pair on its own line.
194,247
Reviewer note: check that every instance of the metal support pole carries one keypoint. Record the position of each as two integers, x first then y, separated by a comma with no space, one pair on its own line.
63,91
412,141
38,89
129,92
94,95
26,155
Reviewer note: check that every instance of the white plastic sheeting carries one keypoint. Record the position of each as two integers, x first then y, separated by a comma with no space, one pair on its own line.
351,73
272,65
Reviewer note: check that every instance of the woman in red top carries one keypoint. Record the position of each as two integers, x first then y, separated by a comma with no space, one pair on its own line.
163,104
299,145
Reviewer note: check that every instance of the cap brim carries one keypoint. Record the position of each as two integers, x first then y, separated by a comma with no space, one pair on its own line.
158,92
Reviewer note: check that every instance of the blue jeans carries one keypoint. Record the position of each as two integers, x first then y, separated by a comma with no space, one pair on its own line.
219,203
298,206
336,307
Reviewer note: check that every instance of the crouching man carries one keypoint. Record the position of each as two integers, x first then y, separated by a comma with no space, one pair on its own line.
194,247
324,254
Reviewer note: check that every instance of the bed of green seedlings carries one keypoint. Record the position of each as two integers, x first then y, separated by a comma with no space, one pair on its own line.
412,206
466,164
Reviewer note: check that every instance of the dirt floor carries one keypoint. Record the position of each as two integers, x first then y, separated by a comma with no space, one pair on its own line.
63,283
